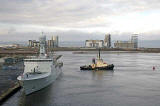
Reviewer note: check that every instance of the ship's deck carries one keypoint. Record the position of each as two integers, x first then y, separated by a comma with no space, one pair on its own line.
33,76
43,58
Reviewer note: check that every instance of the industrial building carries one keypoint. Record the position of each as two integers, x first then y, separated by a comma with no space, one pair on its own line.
50,43
134,40
56,40
123,44
53,42
107,41
99,43
94,43
133,43
33,43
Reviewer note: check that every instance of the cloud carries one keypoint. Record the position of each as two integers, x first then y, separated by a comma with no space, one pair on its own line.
84,16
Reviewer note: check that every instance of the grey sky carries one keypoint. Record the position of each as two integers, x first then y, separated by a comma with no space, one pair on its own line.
79,19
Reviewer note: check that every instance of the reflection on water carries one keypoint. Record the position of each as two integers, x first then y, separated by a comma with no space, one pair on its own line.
22,99
132,83
100,74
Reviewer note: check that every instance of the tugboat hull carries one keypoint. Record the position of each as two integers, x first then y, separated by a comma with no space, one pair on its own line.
109,67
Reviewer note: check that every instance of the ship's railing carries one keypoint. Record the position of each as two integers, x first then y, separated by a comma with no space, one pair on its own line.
38,60
29,75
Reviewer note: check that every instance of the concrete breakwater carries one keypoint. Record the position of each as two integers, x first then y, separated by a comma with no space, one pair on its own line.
8,81
9,92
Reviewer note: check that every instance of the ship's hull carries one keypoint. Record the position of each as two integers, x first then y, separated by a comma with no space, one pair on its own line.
109,67
33,85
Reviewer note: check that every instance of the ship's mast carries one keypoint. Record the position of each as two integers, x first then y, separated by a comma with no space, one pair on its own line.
99,55
42,50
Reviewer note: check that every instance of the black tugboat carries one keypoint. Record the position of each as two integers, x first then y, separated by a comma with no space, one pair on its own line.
98,64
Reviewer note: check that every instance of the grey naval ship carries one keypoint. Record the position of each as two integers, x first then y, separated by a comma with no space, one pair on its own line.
40,71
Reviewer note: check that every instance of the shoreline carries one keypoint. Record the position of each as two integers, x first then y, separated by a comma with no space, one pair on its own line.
9,92
24,51
9,84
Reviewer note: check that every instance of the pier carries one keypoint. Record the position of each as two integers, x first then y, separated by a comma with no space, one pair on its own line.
9,92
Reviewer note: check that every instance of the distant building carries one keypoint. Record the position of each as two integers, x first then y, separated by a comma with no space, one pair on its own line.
11,60
10,46
94,43
53,42
56,41
99,43
134,40
30,43
133,43
33,43
123,44
107,41
50,43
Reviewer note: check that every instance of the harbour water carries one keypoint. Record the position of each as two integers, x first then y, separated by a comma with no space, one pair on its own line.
132,83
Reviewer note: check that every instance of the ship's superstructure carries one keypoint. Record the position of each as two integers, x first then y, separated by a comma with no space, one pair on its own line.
40,71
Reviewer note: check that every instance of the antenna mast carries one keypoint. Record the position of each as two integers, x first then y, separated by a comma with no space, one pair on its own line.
99,54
